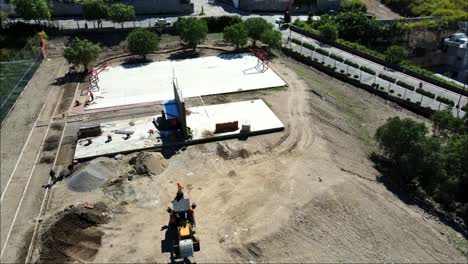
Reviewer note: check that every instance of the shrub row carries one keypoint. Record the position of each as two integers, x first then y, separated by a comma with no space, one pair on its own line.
336,57
309,46
304,44
387,78
350,63
445,100
405,85
425,93
368,70
322,51
375,89
294,40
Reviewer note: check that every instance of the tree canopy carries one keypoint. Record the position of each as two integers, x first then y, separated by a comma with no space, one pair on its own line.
119,13
428,7
81,52
256,26
396,54
32,9
435,164
142,41
236,35
353,6
329,31
95,10
272,38
192,31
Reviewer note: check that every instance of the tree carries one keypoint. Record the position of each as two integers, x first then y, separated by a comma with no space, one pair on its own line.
395,54
95,10
329,31
192,31
3,19
236,35
142,41
119,13
32,9
444,124
256,26
353,6
397,136
81,52
272,38
355,26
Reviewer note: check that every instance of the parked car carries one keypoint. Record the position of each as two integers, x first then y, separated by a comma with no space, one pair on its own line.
279,20
162,22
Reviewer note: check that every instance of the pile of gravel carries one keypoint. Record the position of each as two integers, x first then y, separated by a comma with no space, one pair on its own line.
90,177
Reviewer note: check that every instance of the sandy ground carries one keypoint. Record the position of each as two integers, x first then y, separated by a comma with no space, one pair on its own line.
379,10
308,194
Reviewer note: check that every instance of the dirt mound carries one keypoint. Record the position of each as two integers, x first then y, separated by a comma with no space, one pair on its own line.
92,176
150,163
74,236
227,151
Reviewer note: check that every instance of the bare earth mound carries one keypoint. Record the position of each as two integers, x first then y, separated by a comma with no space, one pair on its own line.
308,194
74,236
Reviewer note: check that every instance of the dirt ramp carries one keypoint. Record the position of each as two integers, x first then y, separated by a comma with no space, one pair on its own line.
93,175
150,163
74,235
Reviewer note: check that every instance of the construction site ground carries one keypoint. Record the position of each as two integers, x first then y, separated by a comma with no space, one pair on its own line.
307,194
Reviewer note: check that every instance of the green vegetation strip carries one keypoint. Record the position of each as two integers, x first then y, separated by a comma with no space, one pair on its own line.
405,85
368,70
445,100
350,63
425,93
387,78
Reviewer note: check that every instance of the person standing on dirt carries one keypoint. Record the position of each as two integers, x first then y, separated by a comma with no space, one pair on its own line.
180,194
53,178
91,95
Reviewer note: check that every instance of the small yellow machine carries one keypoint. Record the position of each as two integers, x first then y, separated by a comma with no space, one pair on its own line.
182,219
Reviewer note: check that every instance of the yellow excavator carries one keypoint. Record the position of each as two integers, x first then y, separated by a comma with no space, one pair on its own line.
182,219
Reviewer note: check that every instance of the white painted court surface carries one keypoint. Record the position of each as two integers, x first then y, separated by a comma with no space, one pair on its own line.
202,120
142,83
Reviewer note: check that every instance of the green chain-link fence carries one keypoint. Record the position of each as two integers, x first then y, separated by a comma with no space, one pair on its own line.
15,72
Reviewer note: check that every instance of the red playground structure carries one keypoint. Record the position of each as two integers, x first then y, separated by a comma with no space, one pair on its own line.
263,59
94,76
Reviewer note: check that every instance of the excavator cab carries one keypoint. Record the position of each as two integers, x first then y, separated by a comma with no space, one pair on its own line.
182,218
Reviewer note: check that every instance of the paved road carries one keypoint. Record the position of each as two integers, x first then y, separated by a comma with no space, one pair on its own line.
369,79
209,7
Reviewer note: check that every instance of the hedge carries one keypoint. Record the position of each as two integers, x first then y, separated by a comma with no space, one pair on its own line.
387,78
347,78
405,85
350,63
368,70
336,57
304,44
293,40
217,24
425,93
309,46
445,100
322,51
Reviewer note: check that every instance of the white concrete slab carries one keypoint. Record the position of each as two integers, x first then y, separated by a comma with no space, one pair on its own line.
202,120
135,84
